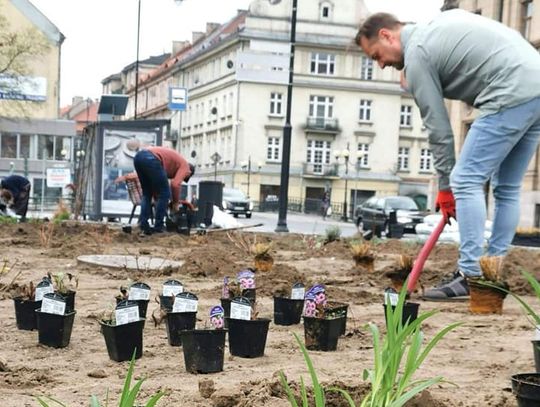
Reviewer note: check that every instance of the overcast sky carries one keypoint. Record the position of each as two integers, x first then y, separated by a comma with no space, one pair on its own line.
101,35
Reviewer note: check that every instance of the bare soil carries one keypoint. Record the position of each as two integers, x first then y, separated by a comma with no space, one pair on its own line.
479,357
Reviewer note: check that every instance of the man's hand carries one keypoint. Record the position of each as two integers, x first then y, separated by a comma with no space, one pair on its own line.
446,204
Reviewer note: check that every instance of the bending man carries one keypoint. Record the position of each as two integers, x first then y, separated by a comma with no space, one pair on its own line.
15,193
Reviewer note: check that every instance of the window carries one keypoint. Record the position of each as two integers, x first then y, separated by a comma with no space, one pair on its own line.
425,159
403,159
272,150
8,145
224,107
365,111
318,154
526,12
62,148
275,103
321,106
325,12
26,149
366,69
230,106
405,119
322,63
363,155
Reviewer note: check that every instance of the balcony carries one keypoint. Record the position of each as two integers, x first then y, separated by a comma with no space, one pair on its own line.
322,124
320,170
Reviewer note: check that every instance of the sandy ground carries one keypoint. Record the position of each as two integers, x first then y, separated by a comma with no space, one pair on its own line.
479,357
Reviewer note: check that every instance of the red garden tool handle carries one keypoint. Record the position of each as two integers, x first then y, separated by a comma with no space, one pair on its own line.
424,253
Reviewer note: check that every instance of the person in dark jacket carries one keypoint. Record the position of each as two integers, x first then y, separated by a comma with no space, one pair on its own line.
15,193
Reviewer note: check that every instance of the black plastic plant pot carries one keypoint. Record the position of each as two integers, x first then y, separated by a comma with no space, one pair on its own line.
322,333
536,352
70,300
204,350
226,305
410,312
250,294
526,387
178,322
25,313
143,305
123,340
287,311
338,310
54,330
166,302
247,339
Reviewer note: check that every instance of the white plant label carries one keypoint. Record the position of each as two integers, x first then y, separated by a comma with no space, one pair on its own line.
172,290
51,306
184,305
240,311
391,298
125,315
41,291
537,333
298,293
138,294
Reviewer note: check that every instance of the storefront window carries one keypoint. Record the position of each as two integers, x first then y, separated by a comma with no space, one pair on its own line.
63,145
45,147
8,145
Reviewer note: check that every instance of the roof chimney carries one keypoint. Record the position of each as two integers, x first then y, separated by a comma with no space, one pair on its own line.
196,36
211,27
178,46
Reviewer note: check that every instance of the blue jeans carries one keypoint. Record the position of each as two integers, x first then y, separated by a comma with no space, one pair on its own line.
154,182
498,146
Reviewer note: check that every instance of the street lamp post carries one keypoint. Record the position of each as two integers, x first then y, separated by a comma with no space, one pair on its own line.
247,166
137,60
287,131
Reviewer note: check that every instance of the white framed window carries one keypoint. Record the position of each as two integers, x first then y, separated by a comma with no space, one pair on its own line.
405,117
527,14
363,155
322,63
321,107
224,107
403,159
364,114
273,146
230,105
325,9
426,159
318,154
366,69
276,103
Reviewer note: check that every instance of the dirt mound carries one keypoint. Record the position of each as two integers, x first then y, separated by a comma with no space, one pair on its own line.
279,280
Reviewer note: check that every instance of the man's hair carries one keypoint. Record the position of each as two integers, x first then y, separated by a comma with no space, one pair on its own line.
370,28
192,169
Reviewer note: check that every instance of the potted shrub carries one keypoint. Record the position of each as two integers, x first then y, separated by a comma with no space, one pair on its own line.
263,259
170,289
363,256
323,323
25,307
54,321
247,332
288,308
204,349
400,272
138,292
406,313
122,329
65,284
182,316
488,298
242,286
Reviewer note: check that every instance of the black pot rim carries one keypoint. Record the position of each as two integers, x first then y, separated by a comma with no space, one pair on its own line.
67,314
101,322
287,298
202,331
259,320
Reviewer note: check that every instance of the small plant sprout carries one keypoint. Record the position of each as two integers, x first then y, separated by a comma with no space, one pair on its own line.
46,233
491,267
401,271
262,256
26,292
363,255
62,212
332,234
64,282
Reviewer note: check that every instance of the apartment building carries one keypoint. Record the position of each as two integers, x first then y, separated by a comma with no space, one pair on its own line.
523,16
32,139
355,133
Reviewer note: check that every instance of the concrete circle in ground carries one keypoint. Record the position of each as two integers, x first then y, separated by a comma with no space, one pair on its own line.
137,263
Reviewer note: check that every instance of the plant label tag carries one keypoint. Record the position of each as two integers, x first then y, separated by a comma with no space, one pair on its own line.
298,291
391,298
53,304
185,302
136,293
127,314
44,287
217,317
241,308
172,287
246,279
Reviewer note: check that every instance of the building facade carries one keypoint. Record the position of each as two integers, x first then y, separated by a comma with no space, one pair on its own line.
355,132
523,16
32,139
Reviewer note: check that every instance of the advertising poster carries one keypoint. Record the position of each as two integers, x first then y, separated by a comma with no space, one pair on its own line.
119,149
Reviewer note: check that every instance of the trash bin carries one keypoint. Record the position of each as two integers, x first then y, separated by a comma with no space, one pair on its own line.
210,194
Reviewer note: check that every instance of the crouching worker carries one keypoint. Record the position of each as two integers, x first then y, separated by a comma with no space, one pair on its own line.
14,194
155,166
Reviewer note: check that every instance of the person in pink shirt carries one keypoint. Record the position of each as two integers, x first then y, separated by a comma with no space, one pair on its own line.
155,166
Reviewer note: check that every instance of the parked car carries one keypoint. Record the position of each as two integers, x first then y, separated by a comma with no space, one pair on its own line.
236,203
375,212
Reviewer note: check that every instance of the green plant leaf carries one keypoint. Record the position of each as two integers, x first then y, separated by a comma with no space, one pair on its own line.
154,399
127,381
94,402
414,391
44,404
345,394
133,393
303,393
318,391
288,390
